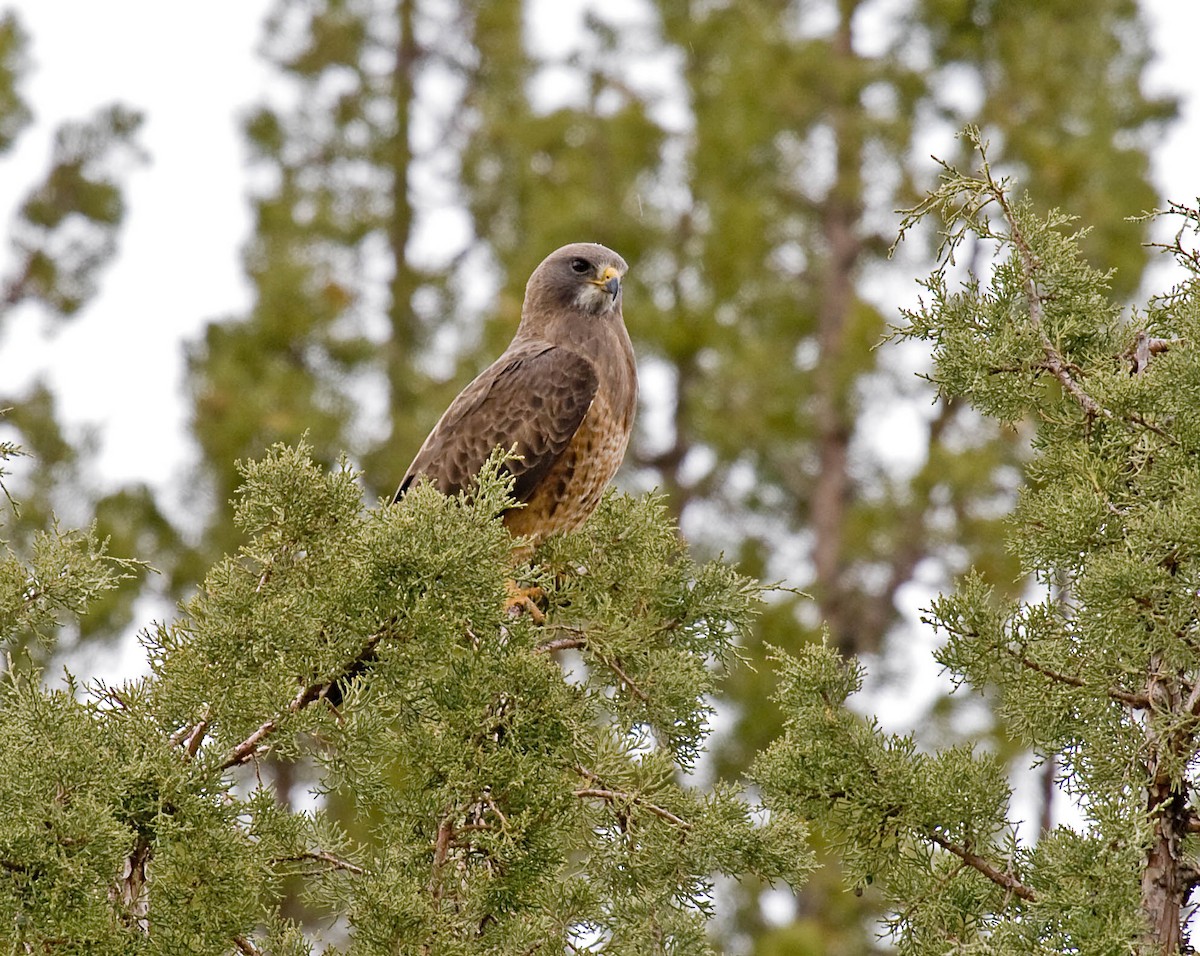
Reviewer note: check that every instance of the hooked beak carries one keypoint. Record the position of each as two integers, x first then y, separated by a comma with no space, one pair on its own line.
610,281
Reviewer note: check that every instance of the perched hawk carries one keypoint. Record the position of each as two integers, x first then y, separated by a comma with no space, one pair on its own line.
563,395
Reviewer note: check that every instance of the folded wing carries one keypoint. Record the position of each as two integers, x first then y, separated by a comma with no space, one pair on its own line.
533,397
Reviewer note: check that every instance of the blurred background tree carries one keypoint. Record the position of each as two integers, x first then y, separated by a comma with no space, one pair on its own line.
62,239
747,160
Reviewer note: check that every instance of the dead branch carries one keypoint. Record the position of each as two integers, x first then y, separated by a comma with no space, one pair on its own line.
192,744
561,644
130,892
1144,346
246,947
441,851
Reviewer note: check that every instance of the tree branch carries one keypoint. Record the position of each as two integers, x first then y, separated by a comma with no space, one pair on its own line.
248,747
580,642
1166,876
602,792
561,644
130,891
1055,363
320,856
191,743
1145,346
441,851
246,947
978,863
1137,701
637,692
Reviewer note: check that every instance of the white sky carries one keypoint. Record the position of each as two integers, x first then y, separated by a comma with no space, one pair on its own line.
191,68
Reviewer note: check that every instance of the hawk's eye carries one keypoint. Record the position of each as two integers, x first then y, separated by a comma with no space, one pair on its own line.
581,266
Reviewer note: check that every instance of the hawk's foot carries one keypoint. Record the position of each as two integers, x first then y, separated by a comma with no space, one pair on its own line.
522,600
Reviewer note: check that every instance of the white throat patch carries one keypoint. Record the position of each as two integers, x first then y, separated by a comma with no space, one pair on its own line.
593,298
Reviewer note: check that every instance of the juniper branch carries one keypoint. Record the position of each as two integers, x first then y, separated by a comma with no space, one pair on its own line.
1136,701
978,863
307,695
321,856
1055,363
581,643
602,792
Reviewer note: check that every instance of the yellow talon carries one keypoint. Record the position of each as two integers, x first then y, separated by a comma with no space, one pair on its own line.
524,600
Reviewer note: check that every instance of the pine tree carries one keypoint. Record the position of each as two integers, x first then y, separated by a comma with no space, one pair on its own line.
1093,667
772,322
520,782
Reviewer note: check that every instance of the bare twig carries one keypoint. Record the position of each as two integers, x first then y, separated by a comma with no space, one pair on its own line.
246,947
321,856
192,744
491,804
637,692
612,796
248,747
1188,258
441,851
580,642
1144,346
978,863
130,892
601,792
561,644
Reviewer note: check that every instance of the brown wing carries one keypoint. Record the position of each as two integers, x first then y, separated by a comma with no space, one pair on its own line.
533,397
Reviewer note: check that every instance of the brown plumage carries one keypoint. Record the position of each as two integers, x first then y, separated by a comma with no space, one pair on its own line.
563,393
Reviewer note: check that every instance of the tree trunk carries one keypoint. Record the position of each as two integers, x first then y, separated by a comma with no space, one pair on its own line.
840,219
1167,879
404,281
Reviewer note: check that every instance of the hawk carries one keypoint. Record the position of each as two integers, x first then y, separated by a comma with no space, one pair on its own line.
561,397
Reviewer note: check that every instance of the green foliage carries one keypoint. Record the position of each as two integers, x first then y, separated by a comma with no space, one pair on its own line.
63,573
511,784
14,111
755,213
876,795
127,521
67,225
1094,668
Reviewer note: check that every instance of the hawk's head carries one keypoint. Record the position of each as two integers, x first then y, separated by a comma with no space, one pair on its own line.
583,276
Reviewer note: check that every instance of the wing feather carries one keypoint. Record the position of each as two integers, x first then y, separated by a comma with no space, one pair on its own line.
533,397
